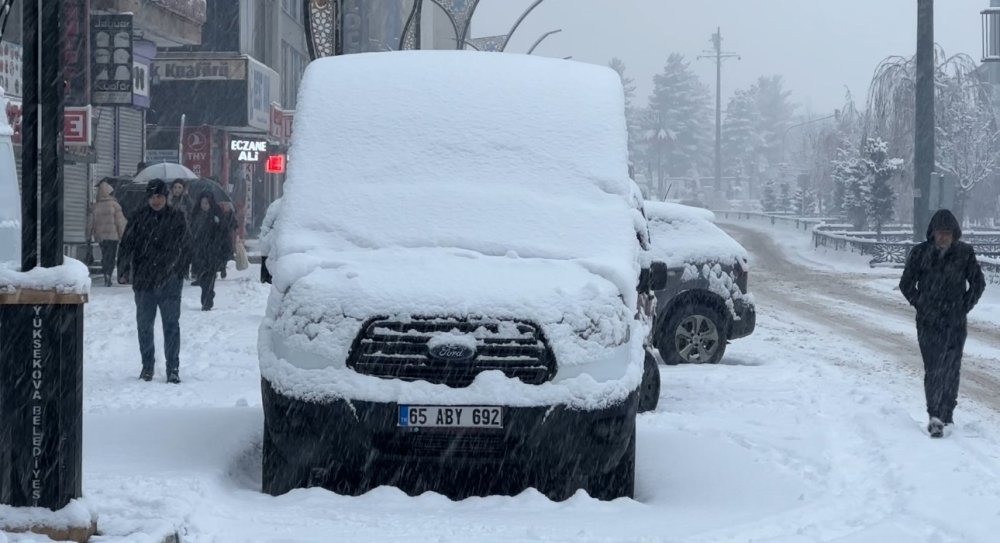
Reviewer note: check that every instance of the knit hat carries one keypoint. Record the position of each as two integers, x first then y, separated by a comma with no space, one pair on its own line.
156,186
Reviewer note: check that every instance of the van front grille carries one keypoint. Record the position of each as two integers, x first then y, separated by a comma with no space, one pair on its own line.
398,349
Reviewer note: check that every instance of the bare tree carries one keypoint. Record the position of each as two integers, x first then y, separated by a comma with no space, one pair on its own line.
967,129
966,121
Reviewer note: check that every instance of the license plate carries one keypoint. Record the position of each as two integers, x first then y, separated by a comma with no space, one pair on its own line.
437,416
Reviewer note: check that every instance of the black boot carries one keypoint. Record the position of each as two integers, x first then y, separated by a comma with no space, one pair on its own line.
935,427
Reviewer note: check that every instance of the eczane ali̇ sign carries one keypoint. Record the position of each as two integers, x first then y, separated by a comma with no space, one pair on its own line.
246,150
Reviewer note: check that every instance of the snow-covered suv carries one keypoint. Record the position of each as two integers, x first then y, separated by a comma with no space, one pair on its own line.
699,275
456,268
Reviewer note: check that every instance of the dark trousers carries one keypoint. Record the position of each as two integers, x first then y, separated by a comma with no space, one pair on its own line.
941,343
168,300
109,256
206,280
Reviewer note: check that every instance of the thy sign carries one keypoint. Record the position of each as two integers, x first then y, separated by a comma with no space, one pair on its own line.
249,150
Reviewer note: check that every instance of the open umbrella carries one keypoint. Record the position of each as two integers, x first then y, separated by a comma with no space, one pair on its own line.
167,171
200,185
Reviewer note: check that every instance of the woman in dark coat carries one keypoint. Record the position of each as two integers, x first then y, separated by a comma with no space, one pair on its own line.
209,243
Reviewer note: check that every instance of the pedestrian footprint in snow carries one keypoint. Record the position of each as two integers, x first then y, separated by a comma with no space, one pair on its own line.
943,281
209,238
154,257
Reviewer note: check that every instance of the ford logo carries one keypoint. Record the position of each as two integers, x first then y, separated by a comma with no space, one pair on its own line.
452,352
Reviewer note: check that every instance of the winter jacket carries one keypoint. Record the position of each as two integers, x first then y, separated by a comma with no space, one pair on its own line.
942,285
107,222
208,237
155,249
182,204
229,227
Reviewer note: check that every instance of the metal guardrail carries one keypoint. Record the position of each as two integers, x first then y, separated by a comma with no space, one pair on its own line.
889,250
774,218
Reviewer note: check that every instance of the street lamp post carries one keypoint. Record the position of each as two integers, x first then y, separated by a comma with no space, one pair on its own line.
542,38
923,148
784,137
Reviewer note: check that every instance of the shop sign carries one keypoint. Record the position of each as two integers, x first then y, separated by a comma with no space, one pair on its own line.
262,90
188,69
156,156
246,150
281,123
76,126
10,68
111,56
198,150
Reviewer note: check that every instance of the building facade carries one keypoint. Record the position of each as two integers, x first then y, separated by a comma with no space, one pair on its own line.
215,103
108,46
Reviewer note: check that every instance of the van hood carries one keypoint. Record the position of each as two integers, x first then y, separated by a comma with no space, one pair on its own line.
313,319
321,309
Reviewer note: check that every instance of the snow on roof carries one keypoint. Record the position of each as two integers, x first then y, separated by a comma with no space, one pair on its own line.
485,152
681,235
459,115
670,211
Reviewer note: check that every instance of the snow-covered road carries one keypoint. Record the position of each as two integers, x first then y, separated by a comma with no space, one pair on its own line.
859,306
810,430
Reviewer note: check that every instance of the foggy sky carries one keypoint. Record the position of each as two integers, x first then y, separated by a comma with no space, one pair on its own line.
819,46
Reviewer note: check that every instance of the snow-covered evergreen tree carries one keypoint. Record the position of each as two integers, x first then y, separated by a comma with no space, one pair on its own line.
847,178
785,198
739,137
680,123
804,201
878,192
774,116
769,200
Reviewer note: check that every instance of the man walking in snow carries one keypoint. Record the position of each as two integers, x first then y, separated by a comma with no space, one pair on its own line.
154,256
943,281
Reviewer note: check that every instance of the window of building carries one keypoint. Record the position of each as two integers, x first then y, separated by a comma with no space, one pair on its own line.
293,66
294,9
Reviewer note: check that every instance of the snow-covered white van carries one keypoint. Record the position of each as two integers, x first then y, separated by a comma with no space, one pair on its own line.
10,199
456,281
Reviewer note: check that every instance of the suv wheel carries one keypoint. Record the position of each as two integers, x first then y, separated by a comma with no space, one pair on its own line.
649,390
695,334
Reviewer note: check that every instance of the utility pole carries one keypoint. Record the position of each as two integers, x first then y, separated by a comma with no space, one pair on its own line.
719,57
923,148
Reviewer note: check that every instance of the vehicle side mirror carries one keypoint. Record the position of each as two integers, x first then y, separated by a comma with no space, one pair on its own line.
658,273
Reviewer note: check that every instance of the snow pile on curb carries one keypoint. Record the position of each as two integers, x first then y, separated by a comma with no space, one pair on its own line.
78,513
72,277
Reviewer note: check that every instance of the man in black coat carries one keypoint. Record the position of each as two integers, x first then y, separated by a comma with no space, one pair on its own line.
154,256
943,281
